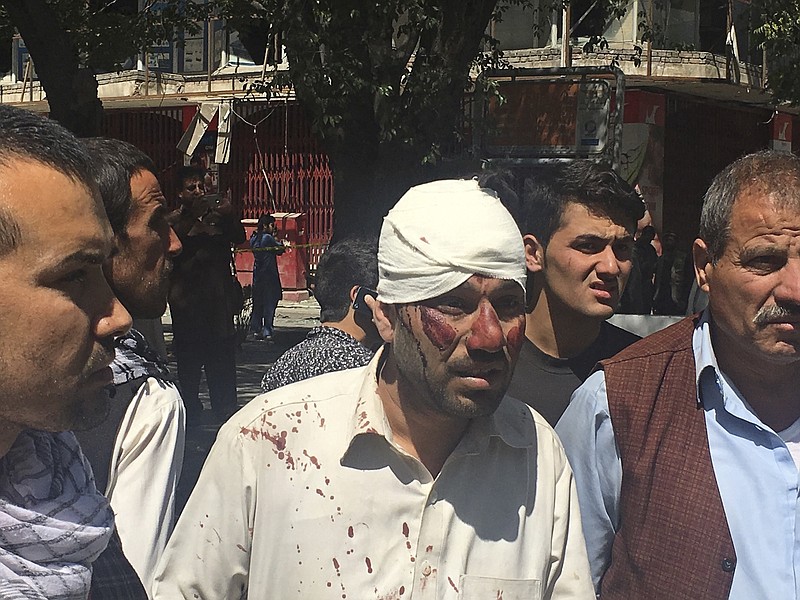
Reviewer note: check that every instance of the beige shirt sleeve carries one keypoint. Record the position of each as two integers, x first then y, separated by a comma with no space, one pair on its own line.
147,461
570,576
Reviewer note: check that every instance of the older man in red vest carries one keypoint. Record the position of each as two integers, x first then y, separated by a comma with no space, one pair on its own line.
686,445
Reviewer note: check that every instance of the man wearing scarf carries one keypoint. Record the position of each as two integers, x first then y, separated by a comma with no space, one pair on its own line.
58,321
412,476
137,452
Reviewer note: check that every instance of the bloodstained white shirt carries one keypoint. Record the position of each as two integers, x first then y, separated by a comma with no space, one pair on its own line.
306,495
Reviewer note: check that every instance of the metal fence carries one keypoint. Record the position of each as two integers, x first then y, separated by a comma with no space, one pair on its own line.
276,163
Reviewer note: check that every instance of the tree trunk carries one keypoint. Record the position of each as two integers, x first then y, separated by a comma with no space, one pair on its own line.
71,89
366,187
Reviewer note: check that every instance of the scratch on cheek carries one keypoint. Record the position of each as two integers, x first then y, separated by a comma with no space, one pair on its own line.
436,327
515,337
453,585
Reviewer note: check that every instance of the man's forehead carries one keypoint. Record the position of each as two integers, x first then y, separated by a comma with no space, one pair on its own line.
585,216
48,204
484,284
146,189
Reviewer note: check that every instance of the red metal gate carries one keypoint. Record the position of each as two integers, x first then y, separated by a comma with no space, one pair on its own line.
274,140
155,131
270,142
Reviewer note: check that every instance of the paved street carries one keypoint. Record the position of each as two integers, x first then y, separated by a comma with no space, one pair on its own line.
292,322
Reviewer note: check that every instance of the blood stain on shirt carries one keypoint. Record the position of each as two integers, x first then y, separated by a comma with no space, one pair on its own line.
313,459
408,542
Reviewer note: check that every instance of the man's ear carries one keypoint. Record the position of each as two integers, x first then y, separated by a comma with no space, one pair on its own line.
383,315
353,292
534,253
703,265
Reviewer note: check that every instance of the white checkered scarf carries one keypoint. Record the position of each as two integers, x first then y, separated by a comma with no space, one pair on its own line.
53,522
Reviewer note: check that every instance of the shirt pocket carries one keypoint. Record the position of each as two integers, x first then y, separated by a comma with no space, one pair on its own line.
472,587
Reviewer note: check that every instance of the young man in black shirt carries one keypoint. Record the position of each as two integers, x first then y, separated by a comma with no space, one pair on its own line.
578,222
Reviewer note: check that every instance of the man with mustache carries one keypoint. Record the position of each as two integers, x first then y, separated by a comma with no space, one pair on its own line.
412,476
137,452
686,445
577,222
58,321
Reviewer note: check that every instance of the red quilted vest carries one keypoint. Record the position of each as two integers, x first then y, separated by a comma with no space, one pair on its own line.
673,541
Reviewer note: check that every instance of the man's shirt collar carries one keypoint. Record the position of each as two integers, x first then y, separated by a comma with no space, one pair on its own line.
512,422
714,388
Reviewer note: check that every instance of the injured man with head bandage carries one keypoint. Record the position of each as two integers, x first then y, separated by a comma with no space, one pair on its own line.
412,477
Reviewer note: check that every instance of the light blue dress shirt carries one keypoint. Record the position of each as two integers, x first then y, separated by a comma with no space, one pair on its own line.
757,478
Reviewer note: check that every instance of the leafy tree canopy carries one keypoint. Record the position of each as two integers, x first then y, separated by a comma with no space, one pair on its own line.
778,32
106,33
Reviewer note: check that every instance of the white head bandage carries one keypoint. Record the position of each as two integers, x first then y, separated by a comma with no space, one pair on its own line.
440,234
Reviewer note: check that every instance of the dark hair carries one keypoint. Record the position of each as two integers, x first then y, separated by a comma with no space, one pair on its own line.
506,185
595,186
184,174
25,135
115,164
345,264
264,220
773,174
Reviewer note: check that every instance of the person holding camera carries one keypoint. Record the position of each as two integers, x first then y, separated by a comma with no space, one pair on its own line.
201,297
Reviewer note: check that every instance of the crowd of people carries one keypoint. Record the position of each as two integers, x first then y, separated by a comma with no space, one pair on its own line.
464,423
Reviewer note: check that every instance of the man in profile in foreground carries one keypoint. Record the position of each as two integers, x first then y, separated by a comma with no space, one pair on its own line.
58,321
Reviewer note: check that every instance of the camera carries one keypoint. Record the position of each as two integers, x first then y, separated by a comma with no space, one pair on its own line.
212,200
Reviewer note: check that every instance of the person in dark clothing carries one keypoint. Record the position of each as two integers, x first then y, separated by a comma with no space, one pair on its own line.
577,222
664,299
267,289
202,298
638,296
347,335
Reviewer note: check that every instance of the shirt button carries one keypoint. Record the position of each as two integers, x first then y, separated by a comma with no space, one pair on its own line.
426,569
728,565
